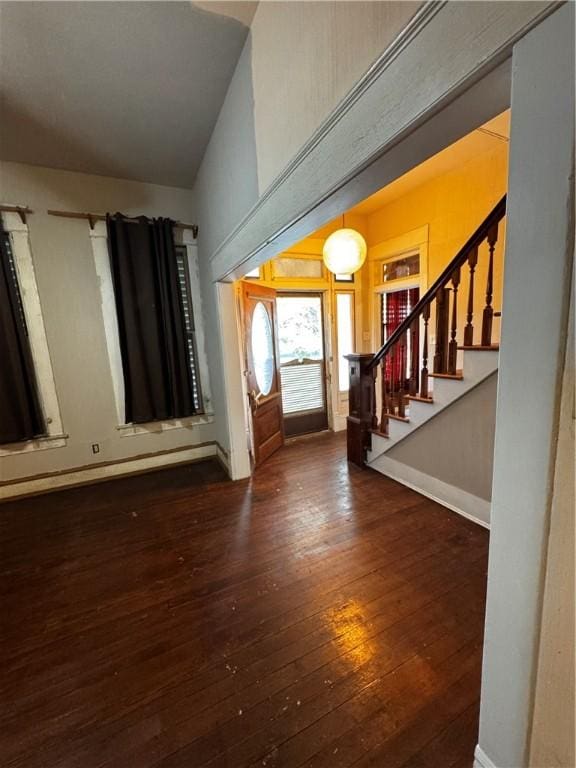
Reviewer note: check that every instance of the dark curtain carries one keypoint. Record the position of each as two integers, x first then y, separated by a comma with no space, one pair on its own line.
20,413
157,377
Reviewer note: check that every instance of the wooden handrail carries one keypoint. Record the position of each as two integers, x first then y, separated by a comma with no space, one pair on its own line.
495,215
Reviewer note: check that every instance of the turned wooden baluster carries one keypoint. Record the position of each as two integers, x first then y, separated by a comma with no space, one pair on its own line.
442,319
384,405
402,379
488,310
469,329
424,371
414,356
392,382
453,345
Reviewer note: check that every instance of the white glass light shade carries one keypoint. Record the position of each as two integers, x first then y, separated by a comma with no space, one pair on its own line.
344,251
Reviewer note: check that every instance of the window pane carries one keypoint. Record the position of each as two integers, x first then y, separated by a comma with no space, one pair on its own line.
286,267
262,348
345,336
399,268
299,328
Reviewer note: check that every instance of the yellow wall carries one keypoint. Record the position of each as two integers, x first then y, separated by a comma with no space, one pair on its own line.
452,205
467,180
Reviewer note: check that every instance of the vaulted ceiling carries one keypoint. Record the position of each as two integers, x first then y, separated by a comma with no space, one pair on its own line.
124,89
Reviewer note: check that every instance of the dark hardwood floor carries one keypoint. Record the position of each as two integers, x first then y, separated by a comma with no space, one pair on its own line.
319,615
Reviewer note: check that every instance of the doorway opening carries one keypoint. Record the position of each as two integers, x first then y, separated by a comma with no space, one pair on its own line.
302,363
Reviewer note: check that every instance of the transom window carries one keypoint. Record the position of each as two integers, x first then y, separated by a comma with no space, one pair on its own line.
401,268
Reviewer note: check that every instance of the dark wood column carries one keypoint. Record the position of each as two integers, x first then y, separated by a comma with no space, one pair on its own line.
362,407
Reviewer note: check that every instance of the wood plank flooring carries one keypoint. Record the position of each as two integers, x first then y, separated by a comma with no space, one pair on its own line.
318,615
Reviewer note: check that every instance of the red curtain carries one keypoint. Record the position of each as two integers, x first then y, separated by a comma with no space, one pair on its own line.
397,307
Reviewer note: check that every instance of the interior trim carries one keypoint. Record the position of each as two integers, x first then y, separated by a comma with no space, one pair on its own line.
420,19
375,116
481,759
31,486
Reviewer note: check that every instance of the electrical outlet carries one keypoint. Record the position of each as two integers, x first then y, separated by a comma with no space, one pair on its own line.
95,447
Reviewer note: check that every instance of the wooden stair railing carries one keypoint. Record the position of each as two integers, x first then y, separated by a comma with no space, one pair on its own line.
404,362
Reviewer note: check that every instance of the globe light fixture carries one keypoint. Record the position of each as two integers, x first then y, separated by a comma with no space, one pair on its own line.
344,251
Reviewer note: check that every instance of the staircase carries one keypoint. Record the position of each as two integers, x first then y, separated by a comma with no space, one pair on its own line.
406,384
444,389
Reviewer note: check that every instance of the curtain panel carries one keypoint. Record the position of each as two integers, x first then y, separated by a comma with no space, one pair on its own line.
157,377
20,412
398,306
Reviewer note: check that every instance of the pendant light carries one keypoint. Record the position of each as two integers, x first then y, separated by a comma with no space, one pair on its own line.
344,251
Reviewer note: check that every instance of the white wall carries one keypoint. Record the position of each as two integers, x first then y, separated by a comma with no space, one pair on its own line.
457,446
306,56
71,305
299,61
537,275
553,738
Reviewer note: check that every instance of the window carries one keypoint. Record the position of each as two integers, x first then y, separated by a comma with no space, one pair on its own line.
22,284
400,268
295,268
254,274
190,296
344,336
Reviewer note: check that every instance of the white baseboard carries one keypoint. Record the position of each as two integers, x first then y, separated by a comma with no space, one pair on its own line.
462,502
100,472
481,759
225,459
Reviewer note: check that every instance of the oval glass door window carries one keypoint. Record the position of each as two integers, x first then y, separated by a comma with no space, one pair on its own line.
262,348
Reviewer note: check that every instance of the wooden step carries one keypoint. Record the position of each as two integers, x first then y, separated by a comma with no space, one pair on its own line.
397,418
419,399
457,376
480,348
378,433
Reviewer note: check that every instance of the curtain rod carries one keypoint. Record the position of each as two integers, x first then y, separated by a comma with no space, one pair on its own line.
21,210
92,218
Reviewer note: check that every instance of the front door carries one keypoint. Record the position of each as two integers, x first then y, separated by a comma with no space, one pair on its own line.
302,363
262,363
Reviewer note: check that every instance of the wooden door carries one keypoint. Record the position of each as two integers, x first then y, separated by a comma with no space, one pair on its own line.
263,369
302,363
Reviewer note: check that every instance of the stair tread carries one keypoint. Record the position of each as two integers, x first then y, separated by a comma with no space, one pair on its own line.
458,375
378,433
398,418
419,399
480,348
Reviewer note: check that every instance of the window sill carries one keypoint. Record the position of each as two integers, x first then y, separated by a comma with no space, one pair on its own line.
155,427
40,444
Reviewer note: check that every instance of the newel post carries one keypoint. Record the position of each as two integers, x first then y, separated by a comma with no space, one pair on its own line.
361,407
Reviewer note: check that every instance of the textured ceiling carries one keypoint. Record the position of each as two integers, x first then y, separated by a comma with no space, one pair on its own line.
124,89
